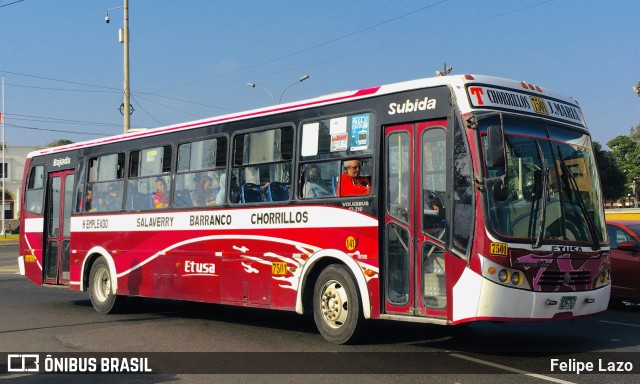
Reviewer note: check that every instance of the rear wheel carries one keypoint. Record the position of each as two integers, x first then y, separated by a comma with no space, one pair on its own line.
101,291
336,305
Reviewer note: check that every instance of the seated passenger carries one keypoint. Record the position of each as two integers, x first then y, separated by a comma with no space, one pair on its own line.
112,201
160,199
313,186
203,195
351,183
88,203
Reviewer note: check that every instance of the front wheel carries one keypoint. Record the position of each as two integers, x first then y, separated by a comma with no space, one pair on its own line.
103,298
336,305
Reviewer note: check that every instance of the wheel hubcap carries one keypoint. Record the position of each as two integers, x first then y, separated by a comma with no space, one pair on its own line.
102,285
334,304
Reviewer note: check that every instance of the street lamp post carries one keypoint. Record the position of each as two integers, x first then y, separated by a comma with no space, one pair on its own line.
300,80
124,39
253,85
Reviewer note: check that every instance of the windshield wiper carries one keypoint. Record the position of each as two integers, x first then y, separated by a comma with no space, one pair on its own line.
572,185
545,195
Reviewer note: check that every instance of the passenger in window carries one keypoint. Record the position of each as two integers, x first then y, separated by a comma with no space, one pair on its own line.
351,183
433,212
204,195
313,186
112,201
88,202
160,199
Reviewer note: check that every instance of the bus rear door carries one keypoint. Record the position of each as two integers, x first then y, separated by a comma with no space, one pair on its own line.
415,186
57,227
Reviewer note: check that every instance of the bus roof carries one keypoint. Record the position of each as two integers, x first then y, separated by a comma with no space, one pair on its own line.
472,92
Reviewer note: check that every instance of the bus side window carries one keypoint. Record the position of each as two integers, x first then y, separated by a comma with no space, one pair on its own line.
200,176
35,190
319,180
462,193
149,179
105,183
262,166
434,178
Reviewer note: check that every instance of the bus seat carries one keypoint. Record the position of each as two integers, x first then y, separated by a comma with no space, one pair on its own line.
335,185
183,198
234,195
139,201
277,191
250,193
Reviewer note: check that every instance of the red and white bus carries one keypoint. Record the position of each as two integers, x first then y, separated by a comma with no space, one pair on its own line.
443,200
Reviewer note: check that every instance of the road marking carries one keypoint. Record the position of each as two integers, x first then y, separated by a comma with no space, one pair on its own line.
9,270
617,323
510,369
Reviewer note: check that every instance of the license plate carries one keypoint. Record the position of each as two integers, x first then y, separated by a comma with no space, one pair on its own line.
567,302
278,268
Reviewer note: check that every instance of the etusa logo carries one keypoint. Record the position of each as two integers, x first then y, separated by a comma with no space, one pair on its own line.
192,267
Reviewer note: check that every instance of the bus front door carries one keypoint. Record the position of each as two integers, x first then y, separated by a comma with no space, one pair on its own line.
57,227
414,254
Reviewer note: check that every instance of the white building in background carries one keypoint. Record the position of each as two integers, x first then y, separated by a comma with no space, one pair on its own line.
11,173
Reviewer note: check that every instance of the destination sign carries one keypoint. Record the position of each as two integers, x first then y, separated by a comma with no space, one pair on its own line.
488,97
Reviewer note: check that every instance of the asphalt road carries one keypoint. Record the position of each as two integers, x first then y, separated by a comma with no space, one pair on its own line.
191,342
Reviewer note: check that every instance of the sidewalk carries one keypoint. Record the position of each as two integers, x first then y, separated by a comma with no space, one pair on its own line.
9,239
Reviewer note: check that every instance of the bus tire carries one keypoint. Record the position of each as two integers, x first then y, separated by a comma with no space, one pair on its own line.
101,292
336,305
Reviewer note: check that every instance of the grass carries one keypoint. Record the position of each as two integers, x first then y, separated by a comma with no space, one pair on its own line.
9,237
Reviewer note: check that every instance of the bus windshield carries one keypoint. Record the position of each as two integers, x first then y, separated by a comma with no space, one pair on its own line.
546,191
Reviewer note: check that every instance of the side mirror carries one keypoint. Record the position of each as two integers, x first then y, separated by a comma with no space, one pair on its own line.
627,246
495,146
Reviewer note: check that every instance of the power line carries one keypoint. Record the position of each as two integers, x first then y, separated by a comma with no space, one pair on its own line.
15,2
109,90
58,80
145,111
61,89
397,42
58,130
57,120
308,48
172,108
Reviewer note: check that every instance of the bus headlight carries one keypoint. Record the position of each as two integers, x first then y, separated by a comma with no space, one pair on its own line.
516,278
604,278
503,275
509,277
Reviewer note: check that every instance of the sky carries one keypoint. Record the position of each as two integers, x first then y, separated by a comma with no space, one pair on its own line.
191,59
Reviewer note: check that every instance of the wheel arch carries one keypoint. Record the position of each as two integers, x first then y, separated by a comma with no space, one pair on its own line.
92,255
314,266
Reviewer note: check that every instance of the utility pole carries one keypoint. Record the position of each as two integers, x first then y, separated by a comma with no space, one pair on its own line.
4,148
123,36
127,95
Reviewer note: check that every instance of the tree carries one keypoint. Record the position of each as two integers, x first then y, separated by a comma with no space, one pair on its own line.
59,142
612,178
626,154
634,133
